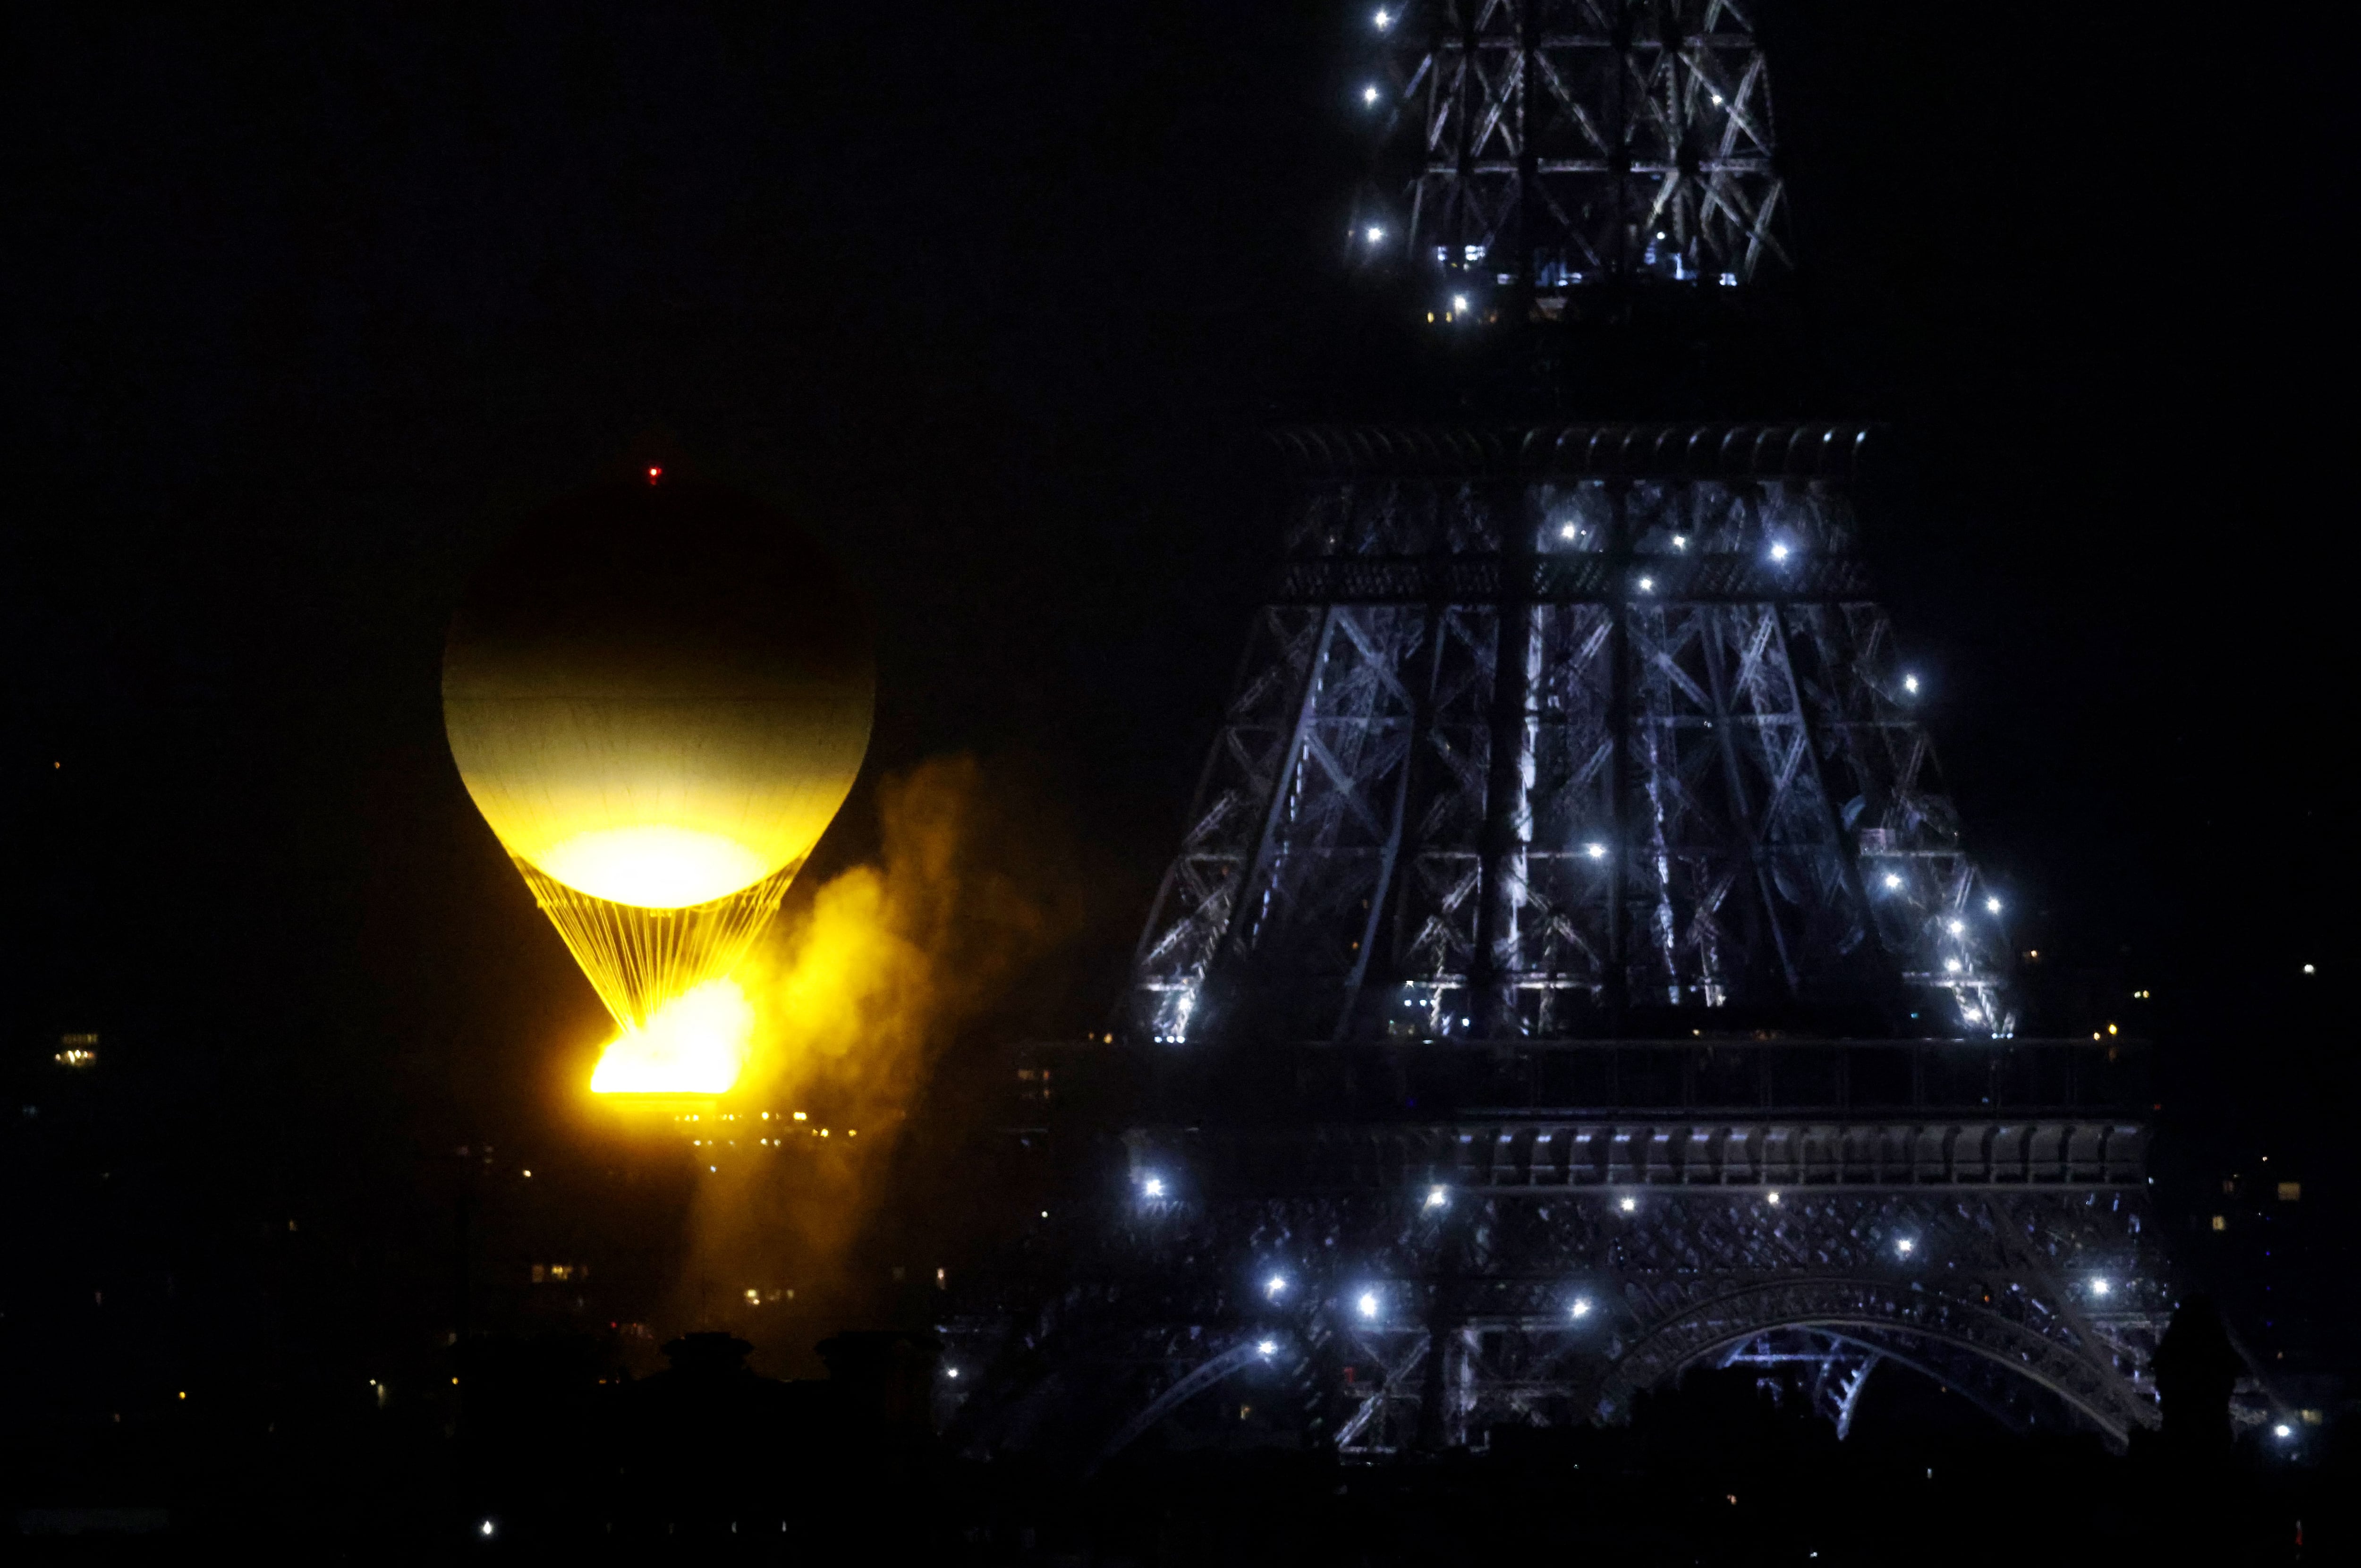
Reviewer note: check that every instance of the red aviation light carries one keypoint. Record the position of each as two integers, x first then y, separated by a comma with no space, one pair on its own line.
653,475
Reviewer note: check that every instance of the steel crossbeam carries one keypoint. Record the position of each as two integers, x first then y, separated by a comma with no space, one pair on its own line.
1556,144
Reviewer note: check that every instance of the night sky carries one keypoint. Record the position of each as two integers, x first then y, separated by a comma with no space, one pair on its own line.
303,307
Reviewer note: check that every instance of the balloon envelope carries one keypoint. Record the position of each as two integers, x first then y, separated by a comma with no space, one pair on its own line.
659,694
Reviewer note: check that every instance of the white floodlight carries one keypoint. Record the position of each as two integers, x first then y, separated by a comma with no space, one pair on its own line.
1628,1204
1892,879
1957,927
1569,531
1779,551
2283,1430
1581,1308
1266,1347
1680,540
1772,1198
1905,1246
1153,1186
2100,1286
1437,1197
1595,851
1376,235
1275,1286
1992,905
1910,683
1385,19
1369,94
950,1371
1647,584
487,1529
1459,302
1951,965
1368,1303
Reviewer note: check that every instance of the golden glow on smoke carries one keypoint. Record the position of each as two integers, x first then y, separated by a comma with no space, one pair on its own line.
696,1044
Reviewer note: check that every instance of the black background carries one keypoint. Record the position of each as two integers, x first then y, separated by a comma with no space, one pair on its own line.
304,306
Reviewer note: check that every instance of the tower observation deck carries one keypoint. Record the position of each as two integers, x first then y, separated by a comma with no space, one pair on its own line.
1574,967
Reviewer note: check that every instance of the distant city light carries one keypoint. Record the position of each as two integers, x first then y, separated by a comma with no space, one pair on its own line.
1957,927
1153,1186
1459,302
1385,19
1436,1197
1892,879
2283,1430
1368,1303
1778,552
1266,1347
486,1528
1567,531
1582,1306
950,1371
2307,968
1376,235
1647,584
653,475
1680,540
1951,965
1905,1246
1992,905
1369,94
1275,1286
1772,1196
1595,851
2100,1286
1910,683
1628,1204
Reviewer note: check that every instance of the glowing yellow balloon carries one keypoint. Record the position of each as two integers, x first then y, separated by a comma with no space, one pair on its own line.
658,694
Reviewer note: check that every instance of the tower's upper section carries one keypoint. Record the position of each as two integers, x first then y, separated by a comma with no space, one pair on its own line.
1528,149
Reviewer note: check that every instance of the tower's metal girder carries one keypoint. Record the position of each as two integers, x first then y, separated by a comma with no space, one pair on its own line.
1556,144
1540,729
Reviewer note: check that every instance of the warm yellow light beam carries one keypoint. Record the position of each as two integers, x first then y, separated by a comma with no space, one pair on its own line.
696,1044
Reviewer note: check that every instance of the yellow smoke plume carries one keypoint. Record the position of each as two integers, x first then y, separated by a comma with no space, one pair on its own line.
855,998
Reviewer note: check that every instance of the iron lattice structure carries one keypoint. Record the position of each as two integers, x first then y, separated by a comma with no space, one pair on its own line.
1573,971
1547,731
1552,145
1583,977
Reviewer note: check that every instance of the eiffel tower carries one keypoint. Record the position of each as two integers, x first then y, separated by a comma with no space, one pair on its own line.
1574,970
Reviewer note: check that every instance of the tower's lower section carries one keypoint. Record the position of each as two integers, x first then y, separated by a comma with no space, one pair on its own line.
1382,1290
